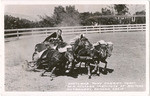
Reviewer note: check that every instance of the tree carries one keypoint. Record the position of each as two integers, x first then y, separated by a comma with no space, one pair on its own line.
58,14
62,16
140,20
11,22
108,20
70,17
97,13
85,18
121,9
106,11
46,21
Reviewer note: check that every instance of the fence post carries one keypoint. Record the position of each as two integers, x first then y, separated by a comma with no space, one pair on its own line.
86,29
127,28
46,32
113,28
73,30
17,34
142,28
99,29
93,28
32,32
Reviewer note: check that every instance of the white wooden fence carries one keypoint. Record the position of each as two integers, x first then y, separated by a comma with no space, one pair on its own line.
18,33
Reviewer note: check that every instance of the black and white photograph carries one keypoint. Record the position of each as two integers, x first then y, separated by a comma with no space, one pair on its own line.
75,47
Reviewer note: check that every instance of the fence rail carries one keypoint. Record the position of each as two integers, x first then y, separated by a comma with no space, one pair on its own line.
18,33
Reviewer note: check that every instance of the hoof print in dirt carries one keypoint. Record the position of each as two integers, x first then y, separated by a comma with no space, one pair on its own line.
110,70
51,79
98,74
42,75
105,72
89,77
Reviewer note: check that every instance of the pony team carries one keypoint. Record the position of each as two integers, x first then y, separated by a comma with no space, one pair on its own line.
53,53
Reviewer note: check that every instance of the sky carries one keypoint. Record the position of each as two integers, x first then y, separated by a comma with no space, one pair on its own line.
32,12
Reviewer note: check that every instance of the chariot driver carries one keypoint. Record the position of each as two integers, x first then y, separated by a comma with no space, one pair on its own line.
55,35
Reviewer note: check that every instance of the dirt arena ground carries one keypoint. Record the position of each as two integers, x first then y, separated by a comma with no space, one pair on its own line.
128,62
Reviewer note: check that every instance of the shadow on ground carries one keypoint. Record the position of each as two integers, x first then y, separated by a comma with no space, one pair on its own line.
76,72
